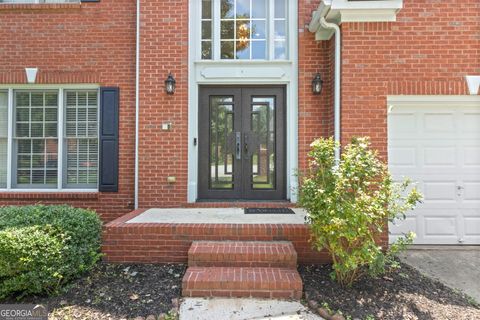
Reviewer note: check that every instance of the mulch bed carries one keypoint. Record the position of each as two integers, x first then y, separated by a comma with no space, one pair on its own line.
406,294
117,291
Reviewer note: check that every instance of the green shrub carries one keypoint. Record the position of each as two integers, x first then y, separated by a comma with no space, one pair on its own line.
42,247
349,204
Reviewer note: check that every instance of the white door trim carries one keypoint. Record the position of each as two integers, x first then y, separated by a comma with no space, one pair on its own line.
246,73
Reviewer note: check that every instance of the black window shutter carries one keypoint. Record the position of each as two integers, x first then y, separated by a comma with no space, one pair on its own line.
109,109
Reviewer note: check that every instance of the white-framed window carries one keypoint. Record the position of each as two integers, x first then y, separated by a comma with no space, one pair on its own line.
49,139
244,29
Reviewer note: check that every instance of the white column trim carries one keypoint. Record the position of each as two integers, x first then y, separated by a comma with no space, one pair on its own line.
61,126
9,137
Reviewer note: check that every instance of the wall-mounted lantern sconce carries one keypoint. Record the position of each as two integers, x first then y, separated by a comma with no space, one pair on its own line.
170,84
317,84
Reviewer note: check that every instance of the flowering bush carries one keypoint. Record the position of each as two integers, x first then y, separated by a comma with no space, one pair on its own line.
349,204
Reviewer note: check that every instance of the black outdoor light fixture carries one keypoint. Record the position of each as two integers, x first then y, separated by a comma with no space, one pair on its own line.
317,84
170,84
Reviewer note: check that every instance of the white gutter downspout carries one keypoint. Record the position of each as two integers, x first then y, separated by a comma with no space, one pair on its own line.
336,98
137,102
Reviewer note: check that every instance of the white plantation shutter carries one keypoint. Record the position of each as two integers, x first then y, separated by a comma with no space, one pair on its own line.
36,138
3,138
81,138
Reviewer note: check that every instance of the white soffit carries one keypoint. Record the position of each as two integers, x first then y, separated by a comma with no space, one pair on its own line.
340,11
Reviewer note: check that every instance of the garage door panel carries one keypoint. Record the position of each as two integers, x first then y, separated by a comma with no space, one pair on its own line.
404,124
471,123
403,156
440,226
440,191
439,122
400,227
440,156
471,191
471,156
472,226
439,148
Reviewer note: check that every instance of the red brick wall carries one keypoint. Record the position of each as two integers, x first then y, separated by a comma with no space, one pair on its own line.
72,43
315,112
428,51
164,49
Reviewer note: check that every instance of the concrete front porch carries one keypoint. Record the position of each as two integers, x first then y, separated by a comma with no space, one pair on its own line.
165,235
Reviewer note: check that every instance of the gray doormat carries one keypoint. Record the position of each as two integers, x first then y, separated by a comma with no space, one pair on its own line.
268,211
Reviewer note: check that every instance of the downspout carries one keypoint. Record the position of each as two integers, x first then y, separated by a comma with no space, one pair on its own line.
336,98
137,102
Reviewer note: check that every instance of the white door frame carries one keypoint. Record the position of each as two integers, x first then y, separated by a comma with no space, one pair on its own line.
202,72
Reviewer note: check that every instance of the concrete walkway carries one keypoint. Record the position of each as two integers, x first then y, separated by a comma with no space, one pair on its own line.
243,309
457,267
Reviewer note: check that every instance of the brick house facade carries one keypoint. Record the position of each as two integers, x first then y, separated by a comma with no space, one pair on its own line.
427,51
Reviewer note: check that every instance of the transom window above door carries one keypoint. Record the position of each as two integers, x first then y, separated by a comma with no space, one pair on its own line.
244,30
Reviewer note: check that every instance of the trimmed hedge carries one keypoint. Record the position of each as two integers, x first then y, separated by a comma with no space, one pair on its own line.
42,247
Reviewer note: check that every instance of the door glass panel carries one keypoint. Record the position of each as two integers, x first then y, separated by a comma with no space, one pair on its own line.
221,143
262,142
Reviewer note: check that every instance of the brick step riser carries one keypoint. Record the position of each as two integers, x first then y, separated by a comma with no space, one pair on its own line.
242,254
280,283
296,295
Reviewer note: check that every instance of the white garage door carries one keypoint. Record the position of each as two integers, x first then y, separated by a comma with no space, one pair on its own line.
438,146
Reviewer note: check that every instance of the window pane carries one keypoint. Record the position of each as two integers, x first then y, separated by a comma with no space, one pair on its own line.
243,9
258,29
259,9
3,138
206,30
280,50
243,50
243,30
226,9
280,30
259,50
227,50
280,9
206,49
227,30
35,139
81,139
206,9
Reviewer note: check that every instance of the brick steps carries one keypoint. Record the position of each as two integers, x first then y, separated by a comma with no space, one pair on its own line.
242,269
242,254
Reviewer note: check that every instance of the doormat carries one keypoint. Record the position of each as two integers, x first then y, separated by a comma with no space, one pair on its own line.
268,211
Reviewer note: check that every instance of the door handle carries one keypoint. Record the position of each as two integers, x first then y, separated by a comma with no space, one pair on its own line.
238,145
245,138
